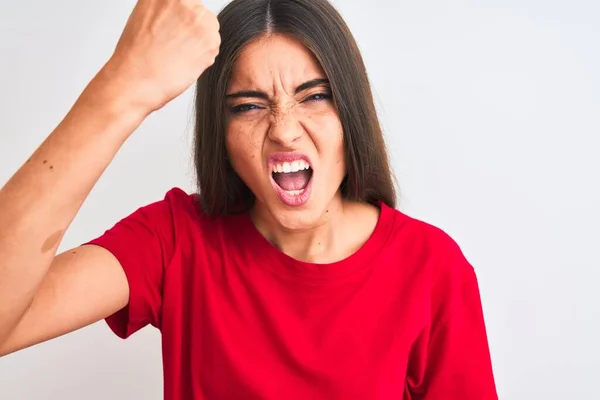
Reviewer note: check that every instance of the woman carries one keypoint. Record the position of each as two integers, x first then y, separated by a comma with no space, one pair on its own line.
290,275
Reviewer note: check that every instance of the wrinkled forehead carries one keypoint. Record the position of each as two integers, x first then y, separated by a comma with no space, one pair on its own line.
273,64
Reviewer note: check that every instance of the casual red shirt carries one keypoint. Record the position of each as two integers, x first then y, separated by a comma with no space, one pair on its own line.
399,319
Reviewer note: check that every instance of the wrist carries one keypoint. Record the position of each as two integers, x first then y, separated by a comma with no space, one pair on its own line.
120,93
107,106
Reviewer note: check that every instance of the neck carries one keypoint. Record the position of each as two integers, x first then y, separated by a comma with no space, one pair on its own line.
336,234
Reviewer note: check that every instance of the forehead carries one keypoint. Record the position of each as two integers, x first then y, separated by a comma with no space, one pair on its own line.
274,61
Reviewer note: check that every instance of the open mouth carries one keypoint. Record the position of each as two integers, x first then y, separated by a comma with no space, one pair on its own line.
292,177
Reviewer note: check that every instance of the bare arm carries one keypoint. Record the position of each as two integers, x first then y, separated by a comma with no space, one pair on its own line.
39,202
82,286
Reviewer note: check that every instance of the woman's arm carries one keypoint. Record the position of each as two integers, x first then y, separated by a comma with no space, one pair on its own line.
164,48
39,202
82,286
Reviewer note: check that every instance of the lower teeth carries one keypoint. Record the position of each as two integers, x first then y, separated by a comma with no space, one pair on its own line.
294,192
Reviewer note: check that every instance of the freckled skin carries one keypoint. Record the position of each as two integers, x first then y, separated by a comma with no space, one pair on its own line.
288,121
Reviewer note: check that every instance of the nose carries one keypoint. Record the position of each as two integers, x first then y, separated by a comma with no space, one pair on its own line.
285,128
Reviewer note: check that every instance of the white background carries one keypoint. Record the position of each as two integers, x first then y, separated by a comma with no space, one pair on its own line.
492,114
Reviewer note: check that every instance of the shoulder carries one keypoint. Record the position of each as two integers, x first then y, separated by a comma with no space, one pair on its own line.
175,205
177,200
436,258
429,247
156,219
187,221
174,215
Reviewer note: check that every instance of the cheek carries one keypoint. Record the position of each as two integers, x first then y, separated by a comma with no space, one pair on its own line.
243,149
329,138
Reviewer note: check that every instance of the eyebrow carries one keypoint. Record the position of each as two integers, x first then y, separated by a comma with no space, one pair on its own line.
262,95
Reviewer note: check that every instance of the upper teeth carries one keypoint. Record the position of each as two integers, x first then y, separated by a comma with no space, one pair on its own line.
293,166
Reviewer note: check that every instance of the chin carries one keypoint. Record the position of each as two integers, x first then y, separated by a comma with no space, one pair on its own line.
297,219
300,218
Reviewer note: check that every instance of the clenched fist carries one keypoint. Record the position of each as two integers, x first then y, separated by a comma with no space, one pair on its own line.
165,46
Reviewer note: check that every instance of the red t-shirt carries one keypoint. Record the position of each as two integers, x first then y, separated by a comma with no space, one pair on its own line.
399,319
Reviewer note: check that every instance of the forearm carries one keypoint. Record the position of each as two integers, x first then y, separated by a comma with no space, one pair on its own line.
41,199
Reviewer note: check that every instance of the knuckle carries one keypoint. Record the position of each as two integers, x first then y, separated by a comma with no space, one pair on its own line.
197,12
210,61
216,42
213,53
215,21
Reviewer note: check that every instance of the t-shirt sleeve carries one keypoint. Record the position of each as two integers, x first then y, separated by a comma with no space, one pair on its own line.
451,359
143,243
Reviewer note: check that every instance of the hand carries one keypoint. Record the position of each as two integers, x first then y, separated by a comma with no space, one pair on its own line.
165,46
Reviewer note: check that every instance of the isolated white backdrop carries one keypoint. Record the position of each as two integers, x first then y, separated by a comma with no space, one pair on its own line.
492,115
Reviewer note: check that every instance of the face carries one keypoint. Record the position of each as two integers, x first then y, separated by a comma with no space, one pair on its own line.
284,137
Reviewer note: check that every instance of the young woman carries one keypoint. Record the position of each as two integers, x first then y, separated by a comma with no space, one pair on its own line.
290,274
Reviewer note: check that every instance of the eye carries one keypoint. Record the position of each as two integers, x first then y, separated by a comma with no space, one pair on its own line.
318,97
243,108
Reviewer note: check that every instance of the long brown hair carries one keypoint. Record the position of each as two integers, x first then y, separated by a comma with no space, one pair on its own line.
318,25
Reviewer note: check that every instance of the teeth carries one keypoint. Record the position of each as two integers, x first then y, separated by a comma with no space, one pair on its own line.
295,192
294,166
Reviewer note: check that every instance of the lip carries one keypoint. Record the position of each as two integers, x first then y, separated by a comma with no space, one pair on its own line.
276,158
286,198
